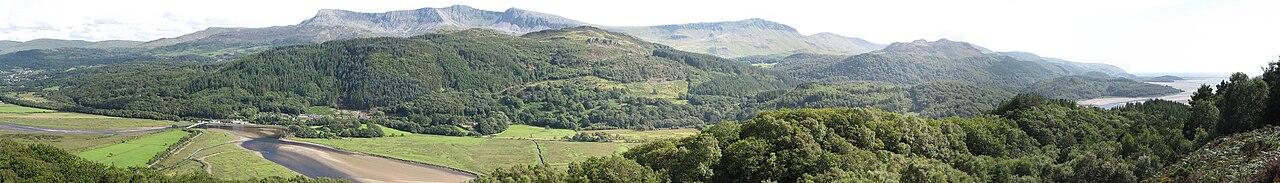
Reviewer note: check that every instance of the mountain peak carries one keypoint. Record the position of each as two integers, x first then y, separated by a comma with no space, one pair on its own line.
731,26
941,47
423,20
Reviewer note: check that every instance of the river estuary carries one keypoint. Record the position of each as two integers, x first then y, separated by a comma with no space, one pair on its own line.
1188,86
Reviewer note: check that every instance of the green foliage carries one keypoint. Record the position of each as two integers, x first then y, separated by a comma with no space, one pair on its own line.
333,128
593,137
608,169
1035,139
1242,102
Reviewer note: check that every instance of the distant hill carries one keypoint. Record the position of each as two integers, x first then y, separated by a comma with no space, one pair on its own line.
911,63
732,39
748,37
1164,78
1097,85
1074,68
923,61
14,46
330,24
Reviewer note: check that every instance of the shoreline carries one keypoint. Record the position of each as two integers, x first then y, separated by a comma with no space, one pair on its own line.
473,174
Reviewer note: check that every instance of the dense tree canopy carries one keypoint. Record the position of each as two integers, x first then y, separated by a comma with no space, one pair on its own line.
1036,141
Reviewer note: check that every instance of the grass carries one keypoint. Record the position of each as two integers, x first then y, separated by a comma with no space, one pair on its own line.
77,121
656,90
650,135
136,152
470,153
70,142
533,132
29,97
10,108
227,160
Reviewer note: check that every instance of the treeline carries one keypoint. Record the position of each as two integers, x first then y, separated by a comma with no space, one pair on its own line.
593,137
1097,85
932,100
333,128
44,163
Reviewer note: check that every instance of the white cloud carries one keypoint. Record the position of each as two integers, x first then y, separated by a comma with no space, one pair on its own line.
1139,35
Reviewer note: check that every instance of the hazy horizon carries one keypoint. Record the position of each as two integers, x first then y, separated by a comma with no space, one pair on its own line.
1153,36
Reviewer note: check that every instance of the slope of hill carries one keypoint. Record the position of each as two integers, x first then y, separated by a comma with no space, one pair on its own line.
63,58
746,38
1252,156
14,46
1073,68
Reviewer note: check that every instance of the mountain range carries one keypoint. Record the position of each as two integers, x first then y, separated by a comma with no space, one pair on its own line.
14,46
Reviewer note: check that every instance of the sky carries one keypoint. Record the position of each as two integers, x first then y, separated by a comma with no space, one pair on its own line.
1141,36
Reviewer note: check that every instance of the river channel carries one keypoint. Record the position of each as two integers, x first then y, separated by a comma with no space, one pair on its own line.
316,161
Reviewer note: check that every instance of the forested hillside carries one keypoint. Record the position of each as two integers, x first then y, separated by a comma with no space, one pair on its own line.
568,78
63,58
933,99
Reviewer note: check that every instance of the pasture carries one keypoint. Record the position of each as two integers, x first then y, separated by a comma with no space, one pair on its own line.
136,152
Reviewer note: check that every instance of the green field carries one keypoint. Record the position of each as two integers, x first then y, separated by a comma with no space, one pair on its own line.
136,152
225,160
533,132
471,153
77,121
10,108
70,142
650,135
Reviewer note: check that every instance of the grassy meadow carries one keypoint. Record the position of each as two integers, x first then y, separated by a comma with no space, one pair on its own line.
471,153
224,159
650,135
136,152
26,116
533,132
10,108
70,142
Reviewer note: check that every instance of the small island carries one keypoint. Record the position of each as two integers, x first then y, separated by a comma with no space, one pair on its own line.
1164,78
